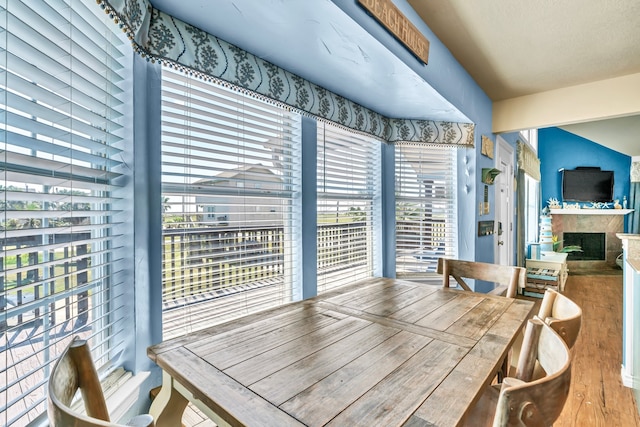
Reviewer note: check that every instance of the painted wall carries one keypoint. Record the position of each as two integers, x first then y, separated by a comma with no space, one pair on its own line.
452,81
561,149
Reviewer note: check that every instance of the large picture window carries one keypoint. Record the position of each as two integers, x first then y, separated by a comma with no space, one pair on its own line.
349,207
230,185
426,207
62,134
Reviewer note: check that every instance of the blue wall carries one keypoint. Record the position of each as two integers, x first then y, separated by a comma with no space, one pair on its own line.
452,81
559,149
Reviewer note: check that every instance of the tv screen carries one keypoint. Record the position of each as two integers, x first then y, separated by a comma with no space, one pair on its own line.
587,185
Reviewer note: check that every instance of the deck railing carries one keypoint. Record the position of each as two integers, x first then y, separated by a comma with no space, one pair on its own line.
217,259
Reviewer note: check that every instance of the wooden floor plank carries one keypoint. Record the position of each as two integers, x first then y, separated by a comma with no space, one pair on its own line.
597,396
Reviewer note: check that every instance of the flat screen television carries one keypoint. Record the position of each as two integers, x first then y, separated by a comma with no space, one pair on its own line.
587,185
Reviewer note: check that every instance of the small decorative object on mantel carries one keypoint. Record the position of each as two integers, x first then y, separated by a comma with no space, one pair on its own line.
600,205
486,147
616,204
554,203
571,206
489,175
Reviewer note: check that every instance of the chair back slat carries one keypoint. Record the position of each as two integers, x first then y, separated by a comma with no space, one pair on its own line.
507,278
75,370
538,402
88,380
562,314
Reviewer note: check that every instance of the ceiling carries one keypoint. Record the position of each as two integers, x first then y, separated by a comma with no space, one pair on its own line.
510,48
515,48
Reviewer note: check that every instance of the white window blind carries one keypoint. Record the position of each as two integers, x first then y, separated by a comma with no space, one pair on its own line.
349,207
61,66
230,184
426,213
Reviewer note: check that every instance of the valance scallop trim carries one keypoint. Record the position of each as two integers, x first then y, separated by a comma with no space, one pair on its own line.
161,37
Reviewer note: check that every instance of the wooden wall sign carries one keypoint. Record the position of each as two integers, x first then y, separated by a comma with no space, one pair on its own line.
395,22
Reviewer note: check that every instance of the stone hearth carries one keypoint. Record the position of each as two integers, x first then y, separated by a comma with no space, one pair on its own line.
585,223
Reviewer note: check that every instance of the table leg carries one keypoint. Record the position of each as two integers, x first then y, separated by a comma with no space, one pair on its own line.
169,405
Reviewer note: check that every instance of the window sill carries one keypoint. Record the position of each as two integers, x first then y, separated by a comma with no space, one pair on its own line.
122,391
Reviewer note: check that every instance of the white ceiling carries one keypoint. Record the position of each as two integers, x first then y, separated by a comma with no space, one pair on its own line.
511,48
515,48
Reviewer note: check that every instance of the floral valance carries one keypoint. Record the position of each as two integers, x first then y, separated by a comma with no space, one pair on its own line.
528,161
161,37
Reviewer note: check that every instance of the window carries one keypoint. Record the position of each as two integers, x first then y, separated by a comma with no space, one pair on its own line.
349,207
530,136
532,191
62,134
237,156
532,209
426,213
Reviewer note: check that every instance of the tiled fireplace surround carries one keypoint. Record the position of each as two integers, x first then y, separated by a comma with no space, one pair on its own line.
586,223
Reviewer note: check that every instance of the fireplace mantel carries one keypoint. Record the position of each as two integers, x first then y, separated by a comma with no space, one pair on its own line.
590,211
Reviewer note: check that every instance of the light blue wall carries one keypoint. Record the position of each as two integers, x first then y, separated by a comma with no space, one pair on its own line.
561,149
452,81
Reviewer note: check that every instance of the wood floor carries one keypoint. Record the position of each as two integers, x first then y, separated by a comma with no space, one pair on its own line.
597,397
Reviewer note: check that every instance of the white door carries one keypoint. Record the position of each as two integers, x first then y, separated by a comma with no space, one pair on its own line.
504,203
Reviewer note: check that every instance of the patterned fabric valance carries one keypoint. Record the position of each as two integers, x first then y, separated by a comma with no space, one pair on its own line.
635,172
528,161
161,37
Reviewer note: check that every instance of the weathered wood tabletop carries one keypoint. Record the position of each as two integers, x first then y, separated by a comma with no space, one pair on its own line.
380,352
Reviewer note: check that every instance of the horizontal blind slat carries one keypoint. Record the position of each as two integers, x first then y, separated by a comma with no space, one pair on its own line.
228,168
62,72
426,208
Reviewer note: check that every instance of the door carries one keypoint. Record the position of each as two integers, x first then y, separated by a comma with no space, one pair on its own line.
504,203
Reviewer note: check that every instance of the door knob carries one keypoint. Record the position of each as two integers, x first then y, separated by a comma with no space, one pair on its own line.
500,242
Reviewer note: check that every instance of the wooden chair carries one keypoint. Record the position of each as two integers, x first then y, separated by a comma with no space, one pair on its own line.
506,278
75,370
522,401
562,314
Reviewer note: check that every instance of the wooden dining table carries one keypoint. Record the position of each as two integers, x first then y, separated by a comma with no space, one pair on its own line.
379,352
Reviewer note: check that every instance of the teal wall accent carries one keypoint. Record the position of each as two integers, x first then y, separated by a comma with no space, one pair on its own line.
561,149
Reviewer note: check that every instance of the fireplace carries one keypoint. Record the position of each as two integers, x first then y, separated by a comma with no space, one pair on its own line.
593,246
587,223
